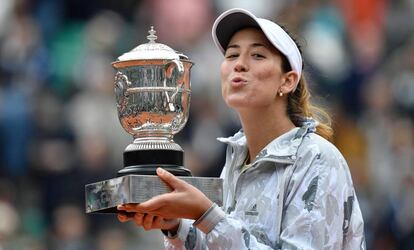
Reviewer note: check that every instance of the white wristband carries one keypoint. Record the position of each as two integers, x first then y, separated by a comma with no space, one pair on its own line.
209,219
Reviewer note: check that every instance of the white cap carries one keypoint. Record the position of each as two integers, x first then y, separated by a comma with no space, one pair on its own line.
235,19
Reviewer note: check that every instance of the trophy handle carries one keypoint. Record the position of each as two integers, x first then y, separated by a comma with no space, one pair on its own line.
121,92
169,67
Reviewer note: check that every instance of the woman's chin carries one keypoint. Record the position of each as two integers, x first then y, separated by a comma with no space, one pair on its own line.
237,103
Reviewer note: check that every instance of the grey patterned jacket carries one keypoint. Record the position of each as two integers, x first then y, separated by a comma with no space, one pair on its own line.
297,194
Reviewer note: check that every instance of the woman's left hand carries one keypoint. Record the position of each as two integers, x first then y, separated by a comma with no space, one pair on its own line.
184,201
149,222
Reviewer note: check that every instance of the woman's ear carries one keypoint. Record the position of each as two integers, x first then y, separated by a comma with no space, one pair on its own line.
290,81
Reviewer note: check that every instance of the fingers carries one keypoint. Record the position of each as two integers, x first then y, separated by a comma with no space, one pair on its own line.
144,220
147,221
154,204
123,214
124,217
138,219
131,208
170,179
144,207
158,221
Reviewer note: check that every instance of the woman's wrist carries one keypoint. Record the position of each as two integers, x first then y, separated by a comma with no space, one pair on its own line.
206,205
209,219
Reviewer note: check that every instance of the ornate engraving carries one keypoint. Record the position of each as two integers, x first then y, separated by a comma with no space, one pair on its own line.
153,101
139,188
121,93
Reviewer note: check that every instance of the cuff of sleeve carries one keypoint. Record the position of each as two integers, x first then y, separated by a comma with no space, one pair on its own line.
209,219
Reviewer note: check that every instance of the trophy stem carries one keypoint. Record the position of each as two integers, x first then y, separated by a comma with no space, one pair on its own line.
145,155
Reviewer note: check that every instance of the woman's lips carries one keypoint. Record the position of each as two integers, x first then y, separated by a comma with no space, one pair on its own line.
238,82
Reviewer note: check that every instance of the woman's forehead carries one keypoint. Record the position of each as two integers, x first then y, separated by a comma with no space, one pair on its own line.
250,36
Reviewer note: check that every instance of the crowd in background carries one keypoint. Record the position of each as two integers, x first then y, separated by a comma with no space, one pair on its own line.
59,128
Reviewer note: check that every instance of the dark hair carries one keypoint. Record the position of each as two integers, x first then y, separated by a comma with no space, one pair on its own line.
300,106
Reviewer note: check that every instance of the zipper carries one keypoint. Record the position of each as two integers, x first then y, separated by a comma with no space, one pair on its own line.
275,159
230,171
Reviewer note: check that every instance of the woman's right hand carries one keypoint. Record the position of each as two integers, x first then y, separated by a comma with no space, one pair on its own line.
149,222
184,201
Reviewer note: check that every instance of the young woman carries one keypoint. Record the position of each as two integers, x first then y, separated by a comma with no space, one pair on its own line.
285,185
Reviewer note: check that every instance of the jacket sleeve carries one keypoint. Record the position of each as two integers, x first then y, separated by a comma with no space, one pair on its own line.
214,230
228,233
321,210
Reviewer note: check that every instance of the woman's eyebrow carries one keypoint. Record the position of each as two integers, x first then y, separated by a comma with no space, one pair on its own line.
253,45
234,46
258,45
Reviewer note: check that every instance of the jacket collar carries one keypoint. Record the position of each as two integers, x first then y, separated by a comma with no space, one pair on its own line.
284,146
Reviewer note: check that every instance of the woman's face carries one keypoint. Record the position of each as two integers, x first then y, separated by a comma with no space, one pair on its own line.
251,72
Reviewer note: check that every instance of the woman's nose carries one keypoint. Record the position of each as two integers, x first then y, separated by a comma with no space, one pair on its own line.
241,64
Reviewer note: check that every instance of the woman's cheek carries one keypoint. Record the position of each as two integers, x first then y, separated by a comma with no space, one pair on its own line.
223,91
227,95
266,73
224,70
224,80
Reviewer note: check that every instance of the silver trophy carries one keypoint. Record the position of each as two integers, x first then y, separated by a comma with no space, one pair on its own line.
153,90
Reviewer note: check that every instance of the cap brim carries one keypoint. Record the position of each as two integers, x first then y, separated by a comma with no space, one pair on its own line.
229,23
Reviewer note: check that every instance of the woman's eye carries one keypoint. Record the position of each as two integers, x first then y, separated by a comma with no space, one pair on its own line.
231,55
256,55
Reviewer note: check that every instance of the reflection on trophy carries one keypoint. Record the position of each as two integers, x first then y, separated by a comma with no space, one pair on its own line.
153,90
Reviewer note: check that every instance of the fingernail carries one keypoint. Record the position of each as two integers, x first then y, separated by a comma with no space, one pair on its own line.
160,170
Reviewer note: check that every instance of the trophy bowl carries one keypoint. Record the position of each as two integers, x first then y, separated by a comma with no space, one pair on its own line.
153,90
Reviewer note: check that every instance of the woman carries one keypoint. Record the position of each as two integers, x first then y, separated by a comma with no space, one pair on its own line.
285,186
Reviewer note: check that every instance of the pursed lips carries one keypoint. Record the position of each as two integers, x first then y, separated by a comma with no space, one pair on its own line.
238,81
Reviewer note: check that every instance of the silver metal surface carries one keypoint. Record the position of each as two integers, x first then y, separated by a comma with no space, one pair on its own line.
153,90
151,50
104,196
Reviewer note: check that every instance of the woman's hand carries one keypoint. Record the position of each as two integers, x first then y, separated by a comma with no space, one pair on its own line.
184,201
149,222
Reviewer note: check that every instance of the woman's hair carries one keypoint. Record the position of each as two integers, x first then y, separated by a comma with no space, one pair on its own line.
300,106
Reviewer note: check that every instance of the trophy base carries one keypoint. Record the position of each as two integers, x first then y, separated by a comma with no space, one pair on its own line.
145,162
105,196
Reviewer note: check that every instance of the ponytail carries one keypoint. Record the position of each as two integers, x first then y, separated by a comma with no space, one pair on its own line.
300,107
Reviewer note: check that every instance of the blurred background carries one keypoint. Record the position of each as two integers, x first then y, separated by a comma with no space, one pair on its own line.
59,128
